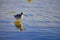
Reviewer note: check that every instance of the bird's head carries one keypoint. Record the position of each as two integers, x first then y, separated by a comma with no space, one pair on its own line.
21,13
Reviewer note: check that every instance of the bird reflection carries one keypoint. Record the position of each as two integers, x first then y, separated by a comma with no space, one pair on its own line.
18,22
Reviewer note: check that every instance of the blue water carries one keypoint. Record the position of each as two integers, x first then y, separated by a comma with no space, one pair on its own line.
41,20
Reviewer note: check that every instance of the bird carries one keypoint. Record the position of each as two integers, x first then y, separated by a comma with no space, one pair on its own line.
19,16
18,22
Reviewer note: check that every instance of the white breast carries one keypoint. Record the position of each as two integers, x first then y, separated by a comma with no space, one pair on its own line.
22,17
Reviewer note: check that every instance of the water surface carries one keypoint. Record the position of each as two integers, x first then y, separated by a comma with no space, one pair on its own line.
41,20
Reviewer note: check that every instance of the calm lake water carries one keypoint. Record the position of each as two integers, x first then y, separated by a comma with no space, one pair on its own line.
41,20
